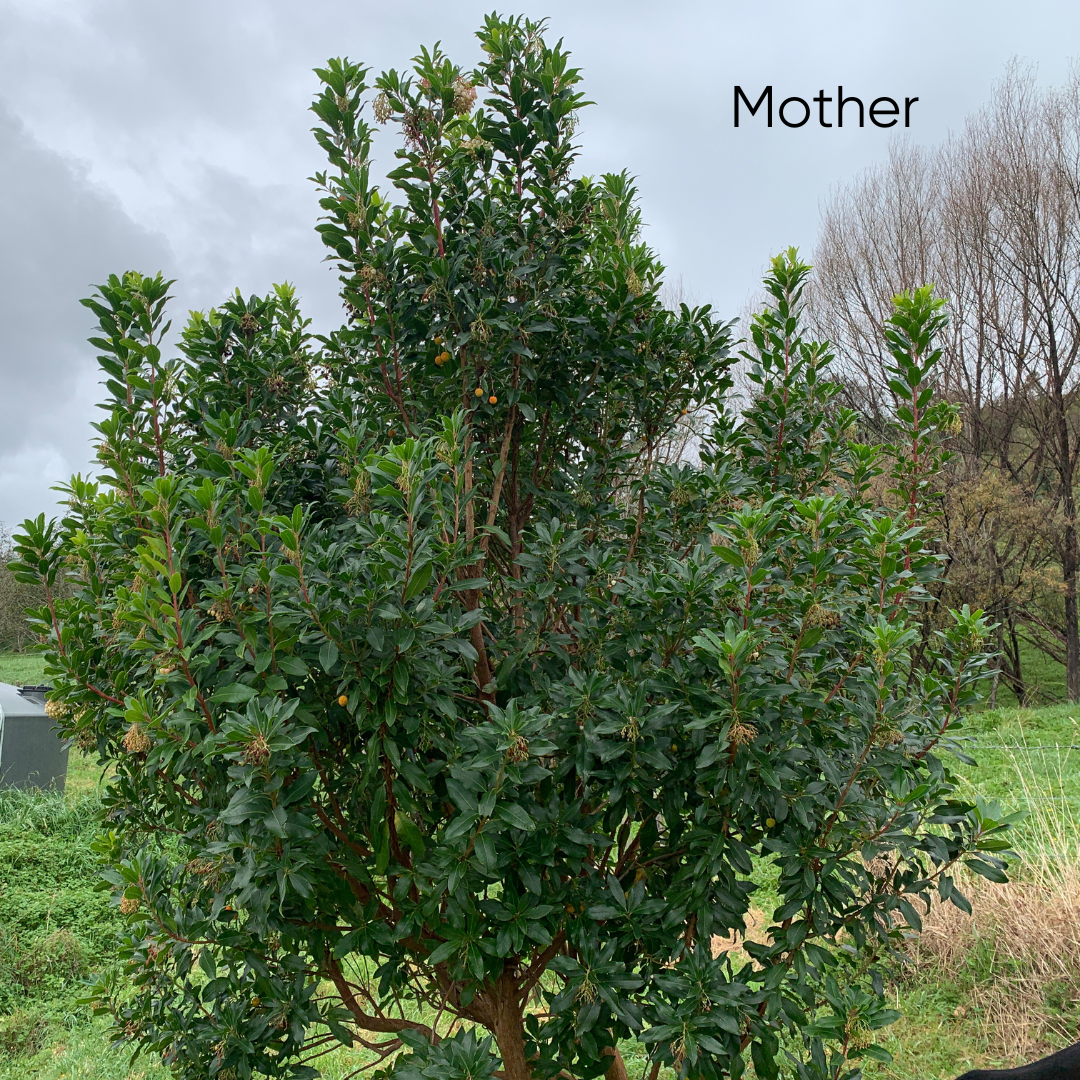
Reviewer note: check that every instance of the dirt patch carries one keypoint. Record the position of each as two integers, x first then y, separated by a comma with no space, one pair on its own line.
755,929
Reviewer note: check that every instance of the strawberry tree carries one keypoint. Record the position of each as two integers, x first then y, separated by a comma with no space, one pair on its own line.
448,722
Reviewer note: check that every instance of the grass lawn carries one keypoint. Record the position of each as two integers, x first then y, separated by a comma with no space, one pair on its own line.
55,928
21,668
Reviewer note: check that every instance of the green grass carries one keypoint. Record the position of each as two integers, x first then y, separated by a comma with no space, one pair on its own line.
21,668
55,928
1028,759
81,1051
930,1042
1044,679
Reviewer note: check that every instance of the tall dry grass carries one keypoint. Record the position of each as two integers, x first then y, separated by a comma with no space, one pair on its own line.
1017,956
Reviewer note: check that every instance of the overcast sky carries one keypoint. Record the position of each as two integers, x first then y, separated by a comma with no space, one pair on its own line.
140,134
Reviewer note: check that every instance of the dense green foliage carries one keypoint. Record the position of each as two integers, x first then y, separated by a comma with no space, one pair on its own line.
942,1033
433,696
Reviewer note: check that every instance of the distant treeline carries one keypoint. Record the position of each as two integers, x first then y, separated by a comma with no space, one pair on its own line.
15,598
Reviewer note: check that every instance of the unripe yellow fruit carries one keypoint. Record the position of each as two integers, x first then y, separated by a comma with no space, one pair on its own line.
479,391
343,700
770,822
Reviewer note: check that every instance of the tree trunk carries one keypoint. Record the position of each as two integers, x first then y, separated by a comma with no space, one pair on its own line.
1015,674
617,1069
999,644
510,1038
1072,629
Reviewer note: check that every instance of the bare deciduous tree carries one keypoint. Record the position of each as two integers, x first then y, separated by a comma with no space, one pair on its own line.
992,218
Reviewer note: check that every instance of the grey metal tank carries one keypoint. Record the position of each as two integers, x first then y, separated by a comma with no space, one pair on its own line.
32,754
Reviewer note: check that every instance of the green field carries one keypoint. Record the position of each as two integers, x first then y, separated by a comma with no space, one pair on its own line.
1044,678
55,928
21,668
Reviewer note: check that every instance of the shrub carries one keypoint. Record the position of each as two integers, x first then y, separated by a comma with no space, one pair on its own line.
435,702
60,957
23,1032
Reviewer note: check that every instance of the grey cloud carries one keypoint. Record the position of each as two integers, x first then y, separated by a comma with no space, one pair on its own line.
193,118
58,234
235,233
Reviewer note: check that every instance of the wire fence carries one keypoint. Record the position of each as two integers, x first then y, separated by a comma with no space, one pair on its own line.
1053,746
1026,797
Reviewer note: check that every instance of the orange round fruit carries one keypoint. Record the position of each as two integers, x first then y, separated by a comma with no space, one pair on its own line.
343,700
492,399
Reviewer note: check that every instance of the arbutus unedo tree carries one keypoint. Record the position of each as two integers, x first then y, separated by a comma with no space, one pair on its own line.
448,723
